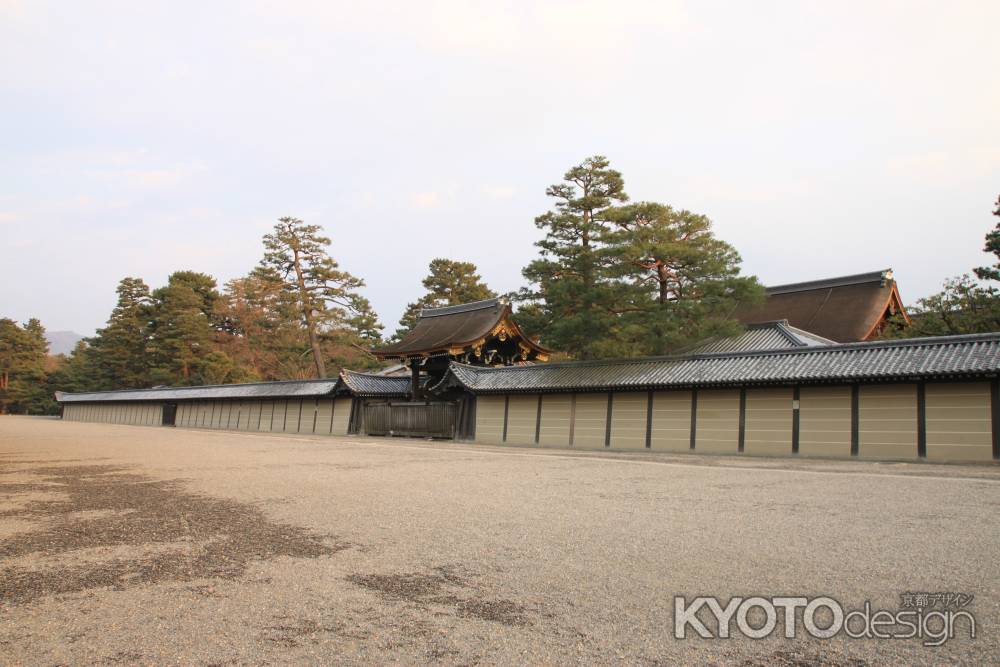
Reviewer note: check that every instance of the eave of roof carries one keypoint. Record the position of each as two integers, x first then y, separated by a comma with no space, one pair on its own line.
368,385
250,390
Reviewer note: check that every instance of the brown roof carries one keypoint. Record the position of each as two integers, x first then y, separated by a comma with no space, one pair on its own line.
844,309
439,330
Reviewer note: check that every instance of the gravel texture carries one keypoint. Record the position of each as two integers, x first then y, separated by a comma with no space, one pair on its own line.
125,544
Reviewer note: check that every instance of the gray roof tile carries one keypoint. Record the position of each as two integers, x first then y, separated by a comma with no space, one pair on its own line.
941,357
255,390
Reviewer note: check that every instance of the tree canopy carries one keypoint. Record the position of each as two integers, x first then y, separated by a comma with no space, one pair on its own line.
23,351
621,279
328,298
963,306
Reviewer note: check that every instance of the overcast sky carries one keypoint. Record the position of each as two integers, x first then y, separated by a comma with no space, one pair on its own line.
138,138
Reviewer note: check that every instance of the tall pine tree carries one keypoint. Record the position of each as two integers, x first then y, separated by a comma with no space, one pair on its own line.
679,282
181,328
571,298
117,355
23,352
328,301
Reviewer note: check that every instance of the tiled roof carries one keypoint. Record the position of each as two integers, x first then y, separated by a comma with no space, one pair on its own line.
761,336
292,388
367,384
439,330
919,358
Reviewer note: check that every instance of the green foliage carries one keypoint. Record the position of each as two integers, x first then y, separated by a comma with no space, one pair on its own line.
682,281
574,298
181,328
23,353
992,272
117,356
962,307
328,302
618,279
448,283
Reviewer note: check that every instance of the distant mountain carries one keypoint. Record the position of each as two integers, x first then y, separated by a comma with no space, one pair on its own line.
62,342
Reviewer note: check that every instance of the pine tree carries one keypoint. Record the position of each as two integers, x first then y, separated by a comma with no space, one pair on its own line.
448,283
117,356
329,305
23,352
572,299
992,246
181,328
680,283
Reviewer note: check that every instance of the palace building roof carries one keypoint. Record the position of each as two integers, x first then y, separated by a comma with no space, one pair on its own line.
845,309
471,332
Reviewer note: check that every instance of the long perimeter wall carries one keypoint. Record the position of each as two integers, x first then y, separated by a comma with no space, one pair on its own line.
135,413
932,421
321,416
910,421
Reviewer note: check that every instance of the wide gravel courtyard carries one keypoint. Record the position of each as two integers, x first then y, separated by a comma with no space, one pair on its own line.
127,544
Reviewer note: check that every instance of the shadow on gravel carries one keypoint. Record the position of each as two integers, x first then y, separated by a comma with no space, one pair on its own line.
165,532
444,587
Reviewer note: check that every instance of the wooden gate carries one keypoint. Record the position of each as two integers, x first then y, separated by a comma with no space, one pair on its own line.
418,419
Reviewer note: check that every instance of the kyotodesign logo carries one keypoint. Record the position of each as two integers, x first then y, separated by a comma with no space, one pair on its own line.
933,618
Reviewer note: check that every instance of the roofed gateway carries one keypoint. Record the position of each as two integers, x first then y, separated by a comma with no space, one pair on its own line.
481,333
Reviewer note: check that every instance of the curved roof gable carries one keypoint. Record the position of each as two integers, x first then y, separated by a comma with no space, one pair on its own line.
453,328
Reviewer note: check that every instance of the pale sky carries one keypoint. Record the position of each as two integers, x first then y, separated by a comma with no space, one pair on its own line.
823,138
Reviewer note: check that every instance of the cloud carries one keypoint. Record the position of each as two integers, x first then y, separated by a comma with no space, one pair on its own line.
426,200
500,192
156,178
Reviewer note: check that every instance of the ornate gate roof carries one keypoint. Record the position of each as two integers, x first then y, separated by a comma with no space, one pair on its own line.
481,332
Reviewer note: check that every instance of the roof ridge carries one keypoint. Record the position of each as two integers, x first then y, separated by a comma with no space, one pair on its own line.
783,329
462,307
837,281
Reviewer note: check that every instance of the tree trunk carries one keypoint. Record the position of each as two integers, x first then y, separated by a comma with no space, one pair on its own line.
661,277
307,313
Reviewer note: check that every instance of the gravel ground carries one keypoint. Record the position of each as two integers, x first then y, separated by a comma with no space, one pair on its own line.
125,544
